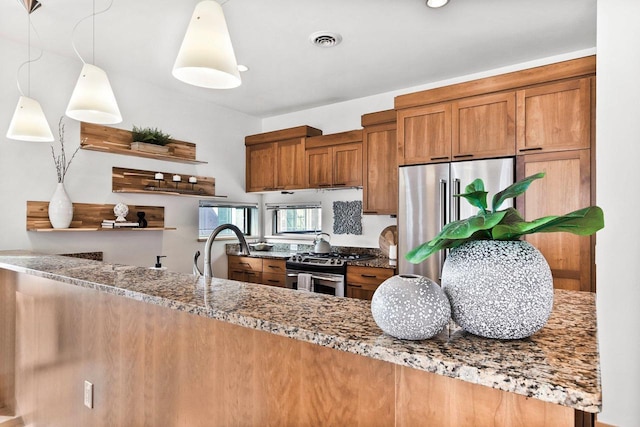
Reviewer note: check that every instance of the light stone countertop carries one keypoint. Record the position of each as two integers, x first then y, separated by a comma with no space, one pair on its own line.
558,364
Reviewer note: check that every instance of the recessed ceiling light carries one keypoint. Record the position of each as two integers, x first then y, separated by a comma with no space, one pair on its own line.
242,68
325,39
436,3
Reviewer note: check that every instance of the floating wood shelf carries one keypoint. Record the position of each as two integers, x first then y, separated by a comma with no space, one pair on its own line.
89,217
118,141
141,181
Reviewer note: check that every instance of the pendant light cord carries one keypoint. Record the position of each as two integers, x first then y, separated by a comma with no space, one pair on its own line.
29,60
73,33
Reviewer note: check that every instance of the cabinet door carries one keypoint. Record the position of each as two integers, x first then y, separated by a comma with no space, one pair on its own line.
273,279
484,127
347,165
424,134
380,184
362,282
319,167
260,173
555,117
565,188
290,164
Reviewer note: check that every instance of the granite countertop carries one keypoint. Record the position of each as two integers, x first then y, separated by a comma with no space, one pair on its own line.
558,364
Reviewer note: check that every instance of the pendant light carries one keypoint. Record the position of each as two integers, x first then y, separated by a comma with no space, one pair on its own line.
206,57
92,99
29,122
434,4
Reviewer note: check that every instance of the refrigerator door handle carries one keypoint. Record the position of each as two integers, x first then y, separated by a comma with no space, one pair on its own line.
455,202
443,222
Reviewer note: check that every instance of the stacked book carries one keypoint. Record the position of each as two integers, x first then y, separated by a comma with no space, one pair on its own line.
111,223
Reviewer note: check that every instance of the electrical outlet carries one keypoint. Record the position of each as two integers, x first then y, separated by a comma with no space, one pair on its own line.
88,394
293,246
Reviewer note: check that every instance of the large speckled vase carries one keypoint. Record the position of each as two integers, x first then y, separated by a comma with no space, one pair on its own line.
498,289
410,307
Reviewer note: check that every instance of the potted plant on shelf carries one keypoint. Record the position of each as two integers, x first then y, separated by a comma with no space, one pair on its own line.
151,140
500,286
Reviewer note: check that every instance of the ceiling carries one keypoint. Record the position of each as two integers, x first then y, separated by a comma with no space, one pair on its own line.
387,45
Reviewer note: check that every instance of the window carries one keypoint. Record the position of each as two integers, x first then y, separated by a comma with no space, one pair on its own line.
301,218
212,214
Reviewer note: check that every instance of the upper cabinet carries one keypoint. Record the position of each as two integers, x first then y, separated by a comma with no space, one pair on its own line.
555,117
380,164
334,160
275,160
546,108
484,127
424,134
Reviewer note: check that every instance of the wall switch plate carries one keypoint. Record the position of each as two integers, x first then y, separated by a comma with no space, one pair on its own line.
88,394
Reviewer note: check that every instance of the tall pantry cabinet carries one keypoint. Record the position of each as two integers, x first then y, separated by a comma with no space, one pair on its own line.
546,116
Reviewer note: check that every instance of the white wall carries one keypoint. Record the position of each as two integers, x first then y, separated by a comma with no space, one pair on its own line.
618,244
345,116
29,173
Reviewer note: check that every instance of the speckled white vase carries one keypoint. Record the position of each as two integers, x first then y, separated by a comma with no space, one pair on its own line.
498,289
60,208
410,307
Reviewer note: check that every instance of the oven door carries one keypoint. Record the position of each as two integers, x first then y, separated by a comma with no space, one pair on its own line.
323,283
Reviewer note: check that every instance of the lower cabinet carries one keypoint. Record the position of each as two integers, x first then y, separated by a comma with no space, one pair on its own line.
257,270
362,282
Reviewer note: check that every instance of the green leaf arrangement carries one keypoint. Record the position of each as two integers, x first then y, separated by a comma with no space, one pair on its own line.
150,135
506,224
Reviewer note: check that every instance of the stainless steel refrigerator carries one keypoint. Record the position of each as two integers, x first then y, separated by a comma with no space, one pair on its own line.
426,203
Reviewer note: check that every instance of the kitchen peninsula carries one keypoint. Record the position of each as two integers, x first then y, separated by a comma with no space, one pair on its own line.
164,348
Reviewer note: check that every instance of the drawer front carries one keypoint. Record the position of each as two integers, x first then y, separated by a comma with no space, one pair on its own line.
368,275
245,263
274,279
274,266
253,276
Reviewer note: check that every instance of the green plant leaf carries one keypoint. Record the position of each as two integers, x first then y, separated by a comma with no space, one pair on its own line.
582,222
514,190
456,233
475,195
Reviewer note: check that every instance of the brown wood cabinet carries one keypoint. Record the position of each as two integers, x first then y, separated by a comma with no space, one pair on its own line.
565,188
424,134
257,270
484,127
275,160
555,116
379,163
334,160
362,282
244,269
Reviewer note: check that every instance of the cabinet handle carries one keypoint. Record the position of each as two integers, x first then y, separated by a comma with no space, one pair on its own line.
273,281
274,266
339,185
440,158
369,276
457,156
244,263
530,149
250,273
324,185
238,271
269,188
353,285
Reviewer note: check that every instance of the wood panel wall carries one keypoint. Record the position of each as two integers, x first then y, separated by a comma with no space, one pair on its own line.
7,340
140,181
154,366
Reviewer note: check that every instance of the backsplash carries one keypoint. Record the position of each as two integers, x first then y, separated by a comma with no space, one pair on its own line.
286,247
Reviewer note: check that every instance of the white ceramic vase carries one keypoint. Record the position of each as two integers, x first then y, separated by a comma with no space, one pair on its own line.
410,307
498,289
60,208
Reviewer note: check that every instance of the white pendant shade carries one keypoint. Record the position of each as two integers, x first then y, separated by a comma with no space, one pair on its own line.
29,123
206,57
436,3
92,99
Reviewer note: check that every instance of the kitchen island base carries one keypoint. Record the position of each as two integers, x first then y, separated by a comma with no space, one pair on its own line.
152,365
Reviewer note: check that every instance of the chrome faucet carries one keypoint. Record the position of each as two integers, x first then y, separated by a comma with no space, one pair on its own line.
208,272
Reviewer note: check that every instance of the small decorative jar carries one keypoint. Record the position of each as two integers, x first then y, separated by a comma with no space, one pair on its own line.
410,307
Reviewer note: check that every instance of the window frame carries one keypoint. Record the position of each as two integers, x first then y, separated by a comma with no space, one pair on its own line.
251,223
276,207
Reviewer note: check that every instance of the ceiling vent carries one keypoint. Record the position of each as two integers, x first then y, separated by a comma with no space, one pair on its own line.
325,39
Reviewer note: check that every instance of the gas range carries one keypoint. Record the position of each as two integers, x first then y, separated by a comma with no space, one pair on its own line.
330,259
